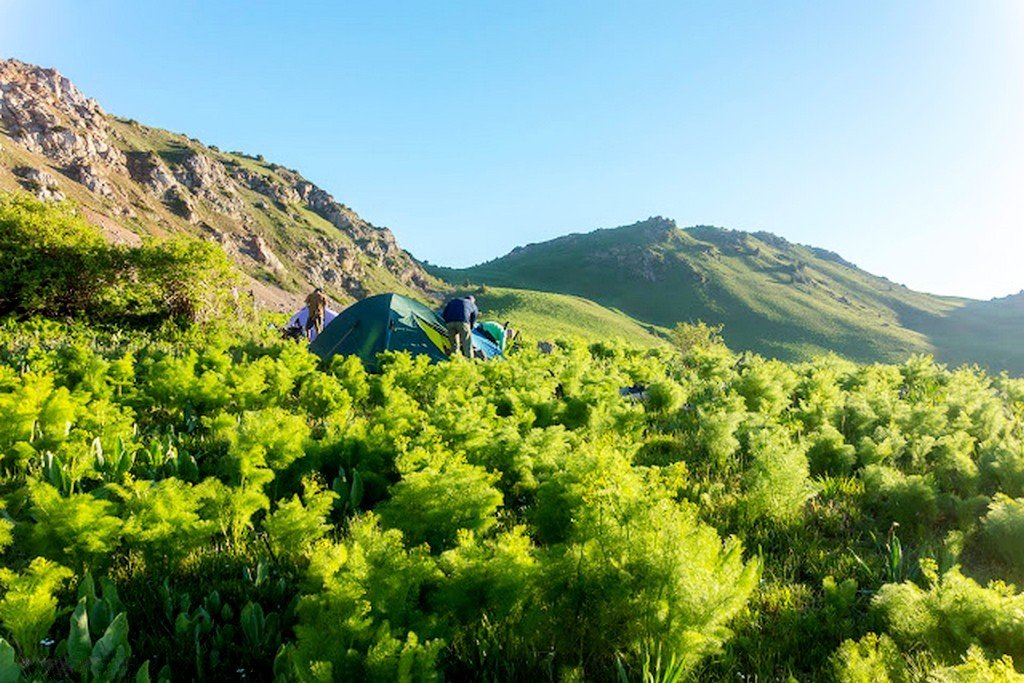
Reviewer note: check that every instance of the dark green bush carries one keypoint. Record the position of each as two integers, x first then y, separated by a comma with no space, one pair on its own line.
1003,531
58,265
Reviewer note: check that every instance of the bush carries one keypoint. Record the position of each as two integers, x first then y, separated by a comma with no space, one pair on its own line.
954,614
56,264
438,496
777,484
829,454
628,569
29,606
872,659
908,500
1003,530
664,397
698,336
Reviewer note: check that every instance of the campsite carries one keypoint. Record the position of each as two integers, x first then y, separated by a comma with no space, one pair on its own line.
391,322
205,499
211,503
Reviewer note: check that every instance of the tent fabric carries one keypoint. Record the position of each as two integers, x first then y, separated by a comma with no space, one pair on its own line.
300,318
482,343
494,330
389,322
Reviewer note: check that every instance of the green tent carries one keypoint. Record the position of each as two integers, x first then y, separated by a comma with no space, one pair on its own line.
380,323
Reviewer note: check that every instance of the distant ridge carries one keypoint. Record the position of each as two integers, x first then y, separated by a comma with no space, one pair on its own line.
774,297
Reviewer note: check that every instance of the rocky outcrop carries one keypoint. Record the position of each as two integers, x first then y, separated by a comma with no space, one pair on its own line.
148,170
265,185
322,203
209,181
89,175
45,113
40,183
377,243
261,252
180,202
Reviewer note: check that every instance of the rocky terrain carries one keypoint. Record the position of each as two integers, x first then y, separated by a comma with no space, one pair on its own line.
133,182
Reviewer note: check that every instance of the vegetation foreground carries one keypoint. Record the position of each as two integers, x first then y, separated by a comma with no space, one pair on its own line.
203,500
211,507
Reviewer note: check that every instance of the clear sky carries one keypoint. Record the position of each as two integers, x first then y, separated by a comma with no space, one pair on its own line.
891,132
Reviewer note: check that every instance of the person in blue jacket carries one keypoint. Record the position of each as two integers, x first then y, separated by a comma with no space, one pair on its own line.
460,317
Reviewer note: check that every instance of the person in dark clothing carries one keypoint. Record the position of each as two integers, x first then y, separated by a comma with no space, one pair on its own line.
460,317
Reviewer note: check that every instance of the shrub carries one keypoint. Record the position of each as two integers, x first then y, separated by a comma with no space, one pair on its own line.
163,520
829,453
908,500
182,278
80,528
697,336
766,385
629,568
872,659
438,496
362,619
877,659
1003,530
296,525
28,607
776,484
56,264
953,614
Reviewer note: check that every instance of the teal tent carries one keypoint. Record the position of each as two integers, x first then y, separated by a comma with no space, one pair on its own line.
389,322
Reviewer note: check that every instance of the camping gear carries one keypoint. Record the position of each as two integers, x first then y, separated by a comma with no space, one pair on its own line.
299,321
494,331
390,322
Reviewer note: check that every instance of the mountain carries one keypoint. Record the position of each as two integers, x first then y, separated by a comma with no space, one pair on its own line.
774,297
134,181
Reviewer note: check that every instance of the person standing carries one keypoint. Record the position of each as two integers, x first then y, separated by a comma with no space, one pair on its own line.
316,306
459,317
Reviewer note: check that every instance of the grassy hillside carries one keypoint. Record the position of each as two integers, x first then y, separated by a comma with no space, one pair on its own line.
543,315
780,299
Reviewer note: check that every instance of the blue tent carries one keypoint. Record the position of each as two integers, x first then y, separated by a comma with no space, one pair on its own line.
390,322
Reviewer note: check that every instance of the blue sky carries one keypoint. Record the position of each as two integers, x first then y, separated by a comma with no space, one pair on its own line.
890,132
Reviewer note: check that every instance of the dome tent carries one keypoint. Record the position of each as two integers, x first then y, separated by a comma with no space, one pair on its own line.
389,322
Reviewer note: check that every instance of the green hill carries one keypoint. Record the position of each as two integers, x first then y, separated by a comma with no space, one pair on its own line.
777,298
543,315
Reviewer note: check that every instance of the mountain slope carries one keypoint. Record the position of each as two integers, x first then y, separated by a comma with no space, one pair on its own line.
774,297
134,181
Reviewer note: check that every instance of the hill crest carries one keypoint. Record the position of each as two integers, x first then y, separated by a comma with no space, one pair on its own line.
775,297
